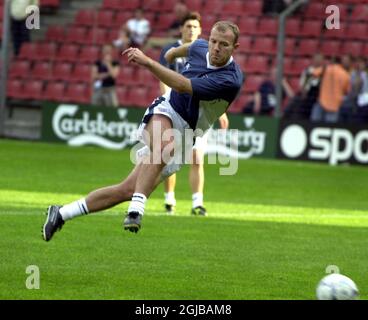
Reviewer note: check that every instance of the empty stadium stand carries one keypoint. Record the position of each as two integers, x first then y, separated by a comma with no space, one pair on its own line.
57,67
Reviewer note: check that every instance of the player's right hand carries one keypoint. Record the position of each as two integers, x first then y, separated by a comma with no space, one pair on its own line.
136,56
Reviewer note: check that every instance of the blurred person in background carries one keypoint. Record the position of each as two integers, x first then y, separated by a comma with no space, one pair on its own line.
123,41
301,105
104,74
264,102
181,11
139,28
19,14
335,85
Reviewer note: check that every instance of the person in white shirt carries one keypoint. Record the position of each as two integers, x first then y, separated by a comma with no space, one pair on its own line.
19,14
139,28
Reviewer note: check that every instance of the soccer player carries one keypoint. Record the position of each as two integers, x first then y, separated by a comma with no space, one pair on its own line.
190,30
208,84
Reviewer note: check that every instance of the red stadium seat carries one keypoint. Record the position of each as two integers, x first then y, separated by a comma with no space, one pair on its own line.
121,93
152,94
292,27
240,102
105,18
212,7
85,17
77,92
168,5
330,48
252,8
315,10
164,21
81,73
207,22
290,45
127,76
130,5
122,17
299,65
15,89
336,34
55,91
45,51
55,33
194,5
307,47
146,78
20,69
68,52
257,64
232,8
288,66
96,36
62,71
42,71
245,44
111,4
137,97
354,48
89,54
360,13
27,51
357,31
252,83
76,35
33,90
264,45
241,60
248,25
267,26
153,6
50,3
311,28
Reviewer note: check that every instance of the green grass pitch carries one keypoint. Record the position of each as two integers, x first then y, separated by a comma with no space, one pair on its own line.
272,230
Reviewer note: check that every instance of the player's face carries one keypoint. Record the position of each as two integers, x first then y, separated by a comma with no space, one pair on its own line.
190,31
221,46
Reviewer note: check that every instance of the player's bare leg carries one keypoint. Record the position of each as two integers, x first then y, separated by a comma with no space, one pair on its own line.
150,172
97,200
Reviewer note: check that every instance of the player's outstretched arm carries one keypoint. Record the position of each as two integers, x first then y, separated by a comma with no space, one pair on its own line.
178,52
171,78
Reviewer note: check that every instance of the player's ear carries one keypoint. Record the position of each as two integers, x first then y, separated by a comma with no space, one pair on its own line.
236,45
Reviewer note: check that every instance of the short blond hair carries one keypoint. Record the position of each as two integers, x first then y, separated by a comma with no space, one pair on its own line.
222,26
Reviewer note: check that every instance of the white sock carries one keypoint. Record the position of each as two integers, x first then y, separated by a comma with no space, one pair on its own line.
74,209
197,199
170,198
138,202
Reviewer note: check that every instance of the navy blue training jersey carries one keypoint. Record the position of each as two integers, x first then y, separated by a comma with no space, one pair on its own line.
214,88
179,63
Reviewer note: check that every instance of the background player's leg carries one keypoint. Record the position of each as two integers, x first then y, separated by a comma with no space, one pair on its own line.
196,180
170,201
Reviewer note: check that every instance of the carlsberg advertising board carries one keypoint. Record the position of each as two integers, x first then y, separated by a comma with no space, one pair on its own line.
86,125
116,129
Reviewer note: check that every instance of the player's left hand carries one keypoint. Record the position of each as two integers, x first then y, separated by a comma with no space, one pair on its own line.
136,56
224,121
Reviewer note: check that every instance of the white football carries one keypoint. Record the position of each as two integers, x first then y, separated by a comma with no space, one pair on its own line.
337,287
